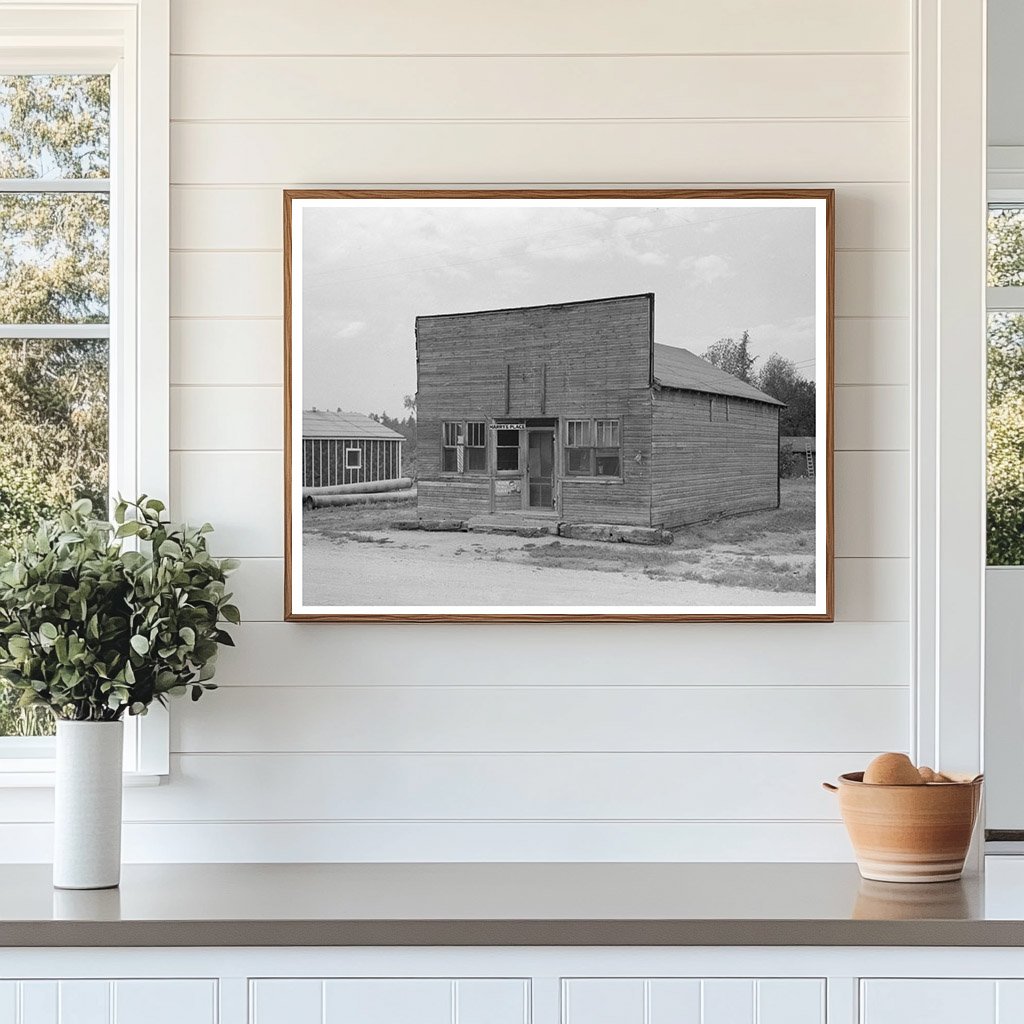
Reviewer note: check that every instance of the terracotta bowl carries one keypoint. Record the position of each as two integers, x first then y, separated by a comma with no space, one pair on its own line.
909,833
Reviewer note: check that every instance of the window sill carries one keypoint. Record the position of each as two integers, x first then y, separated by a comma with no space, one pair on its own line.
603,481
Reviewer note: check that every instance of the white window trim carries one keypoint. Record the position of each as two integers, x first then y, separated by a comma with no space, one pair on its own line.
948,447
130,40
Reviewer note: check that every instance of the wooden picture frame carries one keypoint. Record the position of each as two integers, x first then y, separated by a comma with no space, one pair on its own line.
526,447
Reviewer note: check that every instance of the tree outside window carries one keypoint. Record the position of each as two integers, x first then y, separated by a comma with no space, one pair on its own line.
54,315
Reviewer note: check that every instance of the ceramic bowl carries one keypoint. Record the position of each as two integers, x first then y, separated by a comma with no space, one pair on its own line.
909,833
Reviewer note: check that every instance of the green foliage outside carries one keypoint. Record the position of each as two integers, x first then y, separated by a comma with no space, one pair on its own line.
1005,478
53,270
90,631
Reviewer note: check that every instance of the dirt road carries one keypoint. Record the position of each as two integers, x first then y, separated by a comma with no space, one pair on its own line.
449,569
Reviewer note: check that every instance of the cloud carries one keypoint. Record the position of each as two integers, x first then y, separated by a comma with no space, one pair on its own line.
707,269
350,330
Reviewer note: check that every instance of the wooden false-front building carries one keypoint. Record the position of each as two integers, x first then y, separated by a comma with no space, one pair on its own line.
571,411
347,448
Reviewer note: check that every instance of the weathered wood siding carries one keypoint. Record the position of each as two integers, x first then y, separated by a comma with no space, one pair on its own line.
706,467
586,359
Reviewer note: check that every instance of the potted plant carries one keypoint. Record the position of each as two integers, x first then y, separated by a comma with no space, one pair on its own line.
93,630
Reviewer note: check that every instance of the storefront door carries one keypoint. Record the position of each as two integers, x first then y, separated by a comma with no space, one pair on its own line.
540,468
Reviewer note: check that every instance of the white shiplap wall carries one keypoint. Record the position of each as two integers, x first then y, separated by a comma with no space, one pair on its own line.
689,741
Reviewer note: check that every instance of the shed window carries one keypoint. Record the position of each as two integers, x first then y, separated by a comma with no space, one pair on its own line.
464,447
353,458
593,448
507,449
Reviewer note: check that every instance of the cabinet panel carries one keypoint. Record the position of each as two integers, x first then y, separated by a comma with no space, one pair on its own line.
38,1003
791,1001
388,1001
84,1002
727,1001
934,1001
165,1002
693,1001
674,1001
603,1001
286,1001
492,1002
8,1002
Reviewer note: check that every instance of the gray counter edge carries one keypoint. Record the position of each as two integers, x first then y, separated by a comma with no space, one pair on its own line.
510,933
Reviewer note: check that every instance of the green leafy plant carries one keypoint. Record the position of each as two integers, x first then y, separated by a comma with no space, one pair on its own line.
91,630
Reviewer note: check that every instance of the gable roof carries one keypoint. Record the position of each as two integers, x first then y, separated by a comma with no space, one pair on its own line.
680,368
346,425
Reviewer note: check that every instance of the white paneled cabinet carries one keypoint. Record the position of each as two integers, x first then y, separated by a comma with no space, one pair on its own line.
942,1001
101,1001
693,1001
389,1001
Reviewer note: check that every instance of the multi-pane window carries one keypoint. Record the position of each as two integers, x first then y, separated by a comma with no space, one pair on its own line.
54,306
593,448
507,450
1005,484
464,447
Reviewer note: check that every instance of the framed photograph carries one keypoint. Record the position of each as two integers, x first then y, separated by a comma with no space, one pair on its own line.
558,405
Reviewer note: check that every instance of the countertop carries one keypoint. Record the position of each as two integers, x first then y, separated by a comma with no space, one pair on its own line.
518,904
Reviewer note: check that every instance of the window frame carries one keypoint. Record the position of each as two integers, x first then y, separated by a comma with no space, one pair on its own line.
358,452
131,43
592,447
463,431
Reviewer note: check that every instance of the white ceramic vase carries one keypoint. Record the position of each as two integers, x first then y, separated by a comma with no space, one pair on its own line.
87,807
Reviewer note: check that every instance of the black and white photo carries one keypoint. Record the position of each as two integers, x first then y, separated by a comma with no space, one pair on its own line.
559,405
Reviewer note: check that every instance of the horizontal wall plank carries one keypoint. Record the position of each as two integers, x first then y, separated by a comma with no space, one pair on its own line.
375,787
554,718
872,418
872,589
751,654
535,26
239,418
868,216
208,284
227,352
234,284
581,151
872,350
867,589
872,504
873,283
239,492
538,88
458,842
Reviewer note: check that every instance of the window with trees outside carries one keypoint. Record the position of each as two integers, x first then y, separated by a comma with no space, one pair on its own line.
1005,471
54,308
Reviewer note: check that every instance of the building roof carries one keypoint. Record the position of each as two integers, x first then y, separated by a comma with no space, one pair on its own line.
680,368
347,425
797,444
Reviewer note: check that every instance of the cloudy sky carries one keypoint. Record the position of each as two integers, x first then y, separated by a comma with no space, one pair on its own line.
369,272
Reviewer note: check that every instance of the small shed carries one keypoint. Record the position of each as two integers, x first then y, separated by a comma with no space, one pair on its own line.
797,456
348,448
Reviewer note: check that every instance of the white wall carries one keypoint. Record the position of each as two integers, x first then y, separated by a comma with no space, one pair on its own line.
683,741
